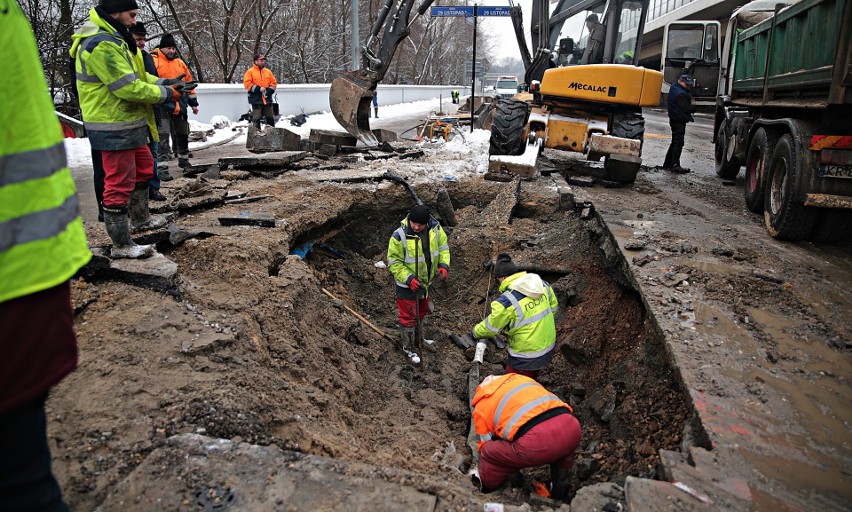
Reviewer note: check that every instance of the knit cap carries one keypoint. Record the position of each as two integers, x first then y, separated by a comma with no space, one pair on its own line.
419,214
504,266
168,41
114,6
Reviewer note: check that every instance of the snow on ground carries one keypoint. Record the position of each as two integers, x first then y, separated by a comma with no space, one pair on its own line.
467,153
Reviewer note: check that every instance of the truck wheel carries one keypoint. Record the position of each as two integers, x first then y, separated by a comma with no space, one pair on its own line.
727,166
757,161
786,217
507,127
628,126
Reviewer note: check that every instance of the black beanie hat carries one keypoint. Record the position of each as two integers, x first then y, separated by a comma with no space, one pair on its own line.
138,28
168,41
419,214
114,6
504,266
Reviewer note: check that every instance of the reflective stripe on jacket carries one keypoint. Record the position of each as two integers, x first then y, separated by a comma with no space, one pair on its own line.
254,79
407,261
525,313
115,90
505,404
172,68
42,241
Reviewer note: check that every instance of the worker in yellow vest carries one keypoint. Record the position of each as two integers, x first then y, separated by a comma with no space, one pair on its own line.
42,244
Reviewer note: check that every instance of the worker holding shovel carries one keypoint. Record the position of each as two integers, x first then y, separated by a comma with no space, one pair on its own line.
417,252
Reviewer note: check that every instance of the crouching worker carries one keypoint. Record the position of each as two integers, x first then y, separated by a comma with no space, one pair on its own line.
524,313
519,425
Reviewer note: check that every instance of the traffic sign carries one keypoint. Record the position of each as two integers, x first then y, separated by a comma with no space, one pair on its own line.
467,11
453,10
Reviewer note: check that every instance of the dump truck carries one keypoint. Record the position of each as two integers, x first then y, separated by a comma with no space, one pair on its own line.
784,113
582,97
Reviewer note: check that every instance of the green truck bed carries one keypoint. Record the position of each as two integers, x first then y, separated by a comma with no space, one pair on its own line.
802,43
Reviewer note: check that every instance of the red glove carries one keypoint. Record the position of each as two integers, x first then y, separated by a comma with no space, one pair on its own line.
443,273
414,284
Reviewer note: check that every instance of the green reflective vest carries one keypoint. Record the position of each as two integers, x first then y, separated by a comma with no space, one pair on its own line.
405,254
42,241
116,93
524,312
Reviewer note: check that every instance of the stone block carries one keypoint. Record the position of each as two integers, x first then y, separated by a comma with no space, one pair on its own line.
331,137
272,139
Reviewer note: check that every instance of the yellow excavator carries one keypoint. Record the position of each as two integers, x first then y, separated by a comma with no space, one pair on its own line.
586,91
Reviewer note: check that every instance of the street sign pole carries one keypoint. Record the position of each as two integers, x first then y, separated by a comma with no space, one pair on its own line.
467,12
473,70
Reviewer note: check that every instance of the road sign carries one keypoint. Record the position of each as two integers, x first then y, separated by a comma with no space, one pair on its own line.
493,11
467,11
454,10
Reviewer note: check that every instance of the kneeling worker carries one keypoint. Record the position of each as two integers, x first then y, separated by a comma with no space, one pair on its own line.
519,425
524,312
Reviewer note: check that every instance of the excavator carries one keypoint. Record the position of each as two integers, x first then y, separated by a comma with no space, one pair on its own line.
584,94
351,94
585,91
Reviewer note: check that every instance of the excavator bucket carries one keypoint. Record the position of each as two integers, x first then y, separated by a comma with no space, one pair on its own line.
350,97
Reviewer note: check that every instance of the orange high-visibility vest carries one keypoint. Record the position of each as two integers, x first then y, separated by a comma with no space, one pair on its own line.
506,403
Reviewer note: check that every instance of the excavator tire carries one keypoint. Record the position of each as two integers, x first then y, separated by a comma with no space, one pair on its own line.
507,127
629,126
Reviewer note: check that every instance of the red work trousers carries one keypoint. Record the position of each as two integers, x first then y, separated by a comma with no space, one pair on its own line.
552,441
407,313
123,170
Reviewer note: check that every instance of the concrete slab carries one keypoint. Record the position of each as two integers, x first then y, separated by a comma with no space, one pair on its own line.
274,160
332,137
272,139
157,272
260,219
203,473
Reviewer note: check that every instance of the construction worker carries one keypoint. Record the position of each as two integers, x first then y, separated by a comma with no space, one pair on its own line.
140,34
417,252
42,245
524,312
519,425
260,84
455,95
376,104
175,120
680,111
116,95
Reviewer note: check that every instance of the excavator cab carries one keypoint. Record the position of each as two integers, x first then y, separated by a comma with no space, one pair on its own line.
590,92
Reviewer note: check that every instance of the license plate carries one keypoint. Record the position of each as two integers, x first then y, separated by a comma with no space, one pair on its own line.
835,171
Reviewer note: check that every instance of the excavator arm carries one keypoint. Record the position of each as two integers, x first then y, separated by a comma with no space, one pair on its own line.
351,94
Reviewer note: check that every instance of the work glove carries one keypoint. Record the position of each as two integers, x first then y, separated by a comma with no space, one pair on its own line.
176,80
186,87
414,284
443,273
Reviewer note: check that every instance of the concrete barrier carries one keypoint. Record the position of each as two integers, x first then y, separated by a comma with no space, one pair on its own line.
231,100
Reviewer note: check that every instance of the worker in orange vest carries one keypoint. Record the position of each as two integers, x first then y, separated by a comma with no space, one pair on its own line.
519,425
260,84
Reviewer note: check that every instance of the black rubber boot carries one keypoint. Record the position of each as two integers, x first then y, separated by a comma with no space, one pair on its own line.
560,482
270,121
118,228
140,216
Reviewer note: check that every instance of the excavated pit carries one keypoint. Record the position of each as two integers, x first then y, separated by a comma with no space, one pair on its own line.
274,360
611,365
